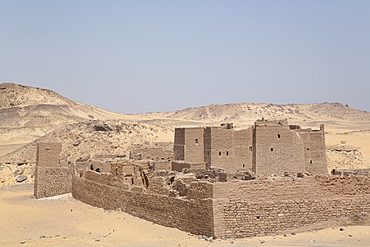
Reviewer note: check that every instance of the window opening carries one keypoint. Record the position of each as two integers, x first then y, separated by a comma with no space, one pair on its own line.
219,153
250,149
227,153
311,162
279,136
196,140
272,149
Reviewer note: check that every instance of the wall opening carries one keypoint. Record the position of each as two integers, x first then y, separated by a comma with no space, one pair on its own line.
227,153
279,136
91,167
243,165
250,148
311,162
271,149
258,217
308,148
196,140
219,153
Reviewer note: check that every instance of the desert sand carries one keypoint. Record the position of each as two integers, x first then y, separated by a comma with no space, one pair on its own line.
31,114
64,221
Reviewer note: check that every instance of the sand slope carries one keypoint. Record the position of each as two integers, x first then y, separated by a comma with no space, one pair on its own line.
63,221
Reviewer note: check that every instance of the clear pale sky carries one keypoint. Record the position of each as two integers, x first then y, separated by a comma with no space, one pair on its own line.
143,56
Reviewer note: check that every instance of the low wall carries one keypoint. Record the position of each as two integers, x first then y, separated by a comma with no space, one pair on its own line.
179,165
235,209
191,215
264,207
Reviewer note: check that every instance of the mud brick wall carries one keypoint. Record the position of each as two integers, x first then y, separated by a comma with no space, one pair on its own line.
228,148
163,165
195,216
178,166
189,144
278,150
314,151
52,181
52,177
47,154
263,207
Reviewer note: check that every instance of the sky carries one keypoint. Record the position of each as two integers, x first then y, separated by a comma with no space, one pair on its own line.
154,56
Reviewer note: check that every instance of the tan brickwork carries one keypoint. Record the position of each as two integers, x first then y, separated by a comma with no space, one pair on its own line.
265,207
268,147
52,177
193,215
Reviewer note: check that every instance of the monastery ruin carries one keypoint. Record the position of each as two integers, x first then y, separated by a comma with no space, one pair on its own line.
270,178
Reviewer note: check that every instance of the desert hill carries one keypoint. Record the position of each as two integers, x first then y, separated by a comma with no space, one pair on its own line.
327,112
28,115
86,139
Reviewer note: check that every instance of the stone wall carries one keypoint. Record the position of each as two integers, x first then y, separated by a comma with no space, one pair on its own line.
52,177
278,150
179,165
285,205
315,151
228,148
193,215
269,147
349,172
189,144
151,153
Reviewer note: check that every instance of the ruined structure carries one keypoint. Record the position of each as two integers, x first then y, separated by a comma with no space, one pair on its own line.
219,202
268,147
52,176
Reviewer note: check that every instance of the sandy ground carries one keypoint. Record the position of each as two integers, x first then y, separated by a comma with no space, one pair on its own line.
4,149
64,221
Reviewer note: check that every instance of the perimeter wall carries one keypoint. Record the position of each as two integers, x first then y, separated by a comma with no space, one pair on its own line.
191,213
286,205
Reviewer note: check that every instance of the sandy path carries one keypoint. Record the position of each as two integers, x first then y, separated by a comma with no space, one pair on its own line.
68,222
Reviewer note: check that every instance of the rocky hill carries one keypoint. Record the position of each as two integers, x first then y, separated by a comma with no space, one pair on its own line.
27,113
251,111
30,114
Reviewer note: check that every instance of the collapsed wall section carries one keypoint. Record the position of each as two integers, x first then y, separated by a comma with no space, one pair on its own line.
192,213
52,177
264,207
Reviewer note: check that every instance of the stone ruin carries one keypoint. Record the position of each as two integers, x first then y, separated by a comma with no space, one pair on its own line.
213,194
268,147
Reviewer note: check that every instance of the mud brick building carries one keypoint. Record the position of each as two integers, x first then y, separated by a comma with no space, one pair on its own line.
268,147
210,202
